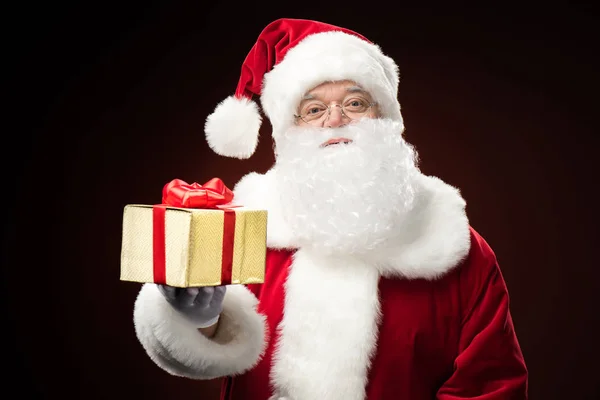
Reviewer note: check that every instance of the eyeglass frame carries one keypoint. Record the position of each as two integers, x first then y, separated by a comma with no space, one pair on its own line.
341,106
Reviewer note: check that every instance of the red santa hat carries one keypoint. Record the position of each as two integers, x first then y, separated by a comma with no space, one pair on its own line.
291,57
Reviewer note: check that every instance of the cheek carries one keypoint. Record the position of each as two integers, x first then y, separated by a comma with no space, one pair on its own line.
372,115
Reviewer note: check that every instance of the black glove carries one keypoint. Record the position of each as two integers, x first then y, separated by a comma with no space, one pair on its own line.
201,305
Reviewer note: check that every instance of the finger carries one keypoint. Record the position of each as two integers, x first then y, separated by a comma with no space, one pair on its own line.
186,297
205,295
219,294
167,291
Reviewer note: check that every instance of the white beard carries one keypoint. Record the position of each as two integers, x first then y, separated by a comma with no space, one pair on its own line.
346,198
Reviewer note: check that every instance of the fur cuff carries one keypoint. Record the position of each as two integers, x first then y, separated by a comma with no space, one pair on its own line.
176,346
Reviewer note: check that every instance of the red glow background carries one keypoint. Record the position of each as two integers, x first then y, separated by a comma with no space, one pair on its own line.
109,104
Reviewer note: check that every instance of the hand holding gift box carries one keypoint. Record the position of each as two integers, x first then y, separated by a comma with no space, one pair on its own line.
202,306
196,237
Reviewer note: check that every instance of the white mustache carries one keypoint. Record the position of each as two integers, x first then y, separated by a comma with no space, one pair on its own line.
310,135
305,144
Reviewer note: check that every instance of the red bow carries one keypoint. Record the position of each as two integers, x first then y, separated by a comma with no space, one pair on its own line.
178,193
213,194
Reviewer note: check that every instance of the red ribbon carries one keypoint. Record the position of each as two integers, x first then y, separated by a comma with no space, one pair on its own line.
212,195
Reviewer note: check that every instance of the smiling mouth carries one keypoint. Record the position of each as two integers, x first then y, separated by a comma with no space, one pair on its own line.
334,141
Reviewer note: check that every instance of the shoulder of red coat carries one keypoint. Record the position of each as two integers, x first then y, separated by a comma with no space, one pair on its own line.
479,246
481,259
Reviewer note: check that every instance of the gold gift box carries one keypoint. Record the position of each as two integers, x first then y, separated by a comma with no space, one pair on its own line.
193,245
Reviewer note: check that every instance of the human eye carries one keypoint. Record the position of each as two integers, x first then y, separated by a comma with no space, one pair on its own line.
356,104
313,109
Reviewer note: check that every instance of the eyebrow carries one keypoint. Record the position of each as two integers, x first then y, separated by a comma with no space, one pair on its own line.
351,89
355,89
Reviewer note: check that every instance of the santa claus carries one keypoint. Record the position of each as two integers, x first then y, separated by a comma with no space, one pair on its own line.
376,286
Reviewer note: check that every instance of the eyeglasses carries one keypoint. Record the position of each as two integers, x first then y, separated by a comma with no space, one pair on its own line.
315,113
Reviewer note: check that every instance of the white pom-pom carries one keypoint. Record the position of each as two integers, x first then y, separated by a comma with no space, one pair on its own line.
232,129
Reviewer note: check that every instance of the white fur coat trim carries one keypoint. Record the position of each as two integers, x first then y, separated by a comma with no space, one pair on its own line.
177,346
332,303
329,330
435,240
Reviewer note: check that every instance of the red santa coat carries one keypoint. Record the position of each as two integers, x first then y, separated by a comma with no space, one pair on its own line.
451,338
428,319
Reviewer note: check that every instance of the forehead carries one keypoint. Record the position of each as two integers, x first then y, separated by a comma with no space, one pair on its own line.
331,89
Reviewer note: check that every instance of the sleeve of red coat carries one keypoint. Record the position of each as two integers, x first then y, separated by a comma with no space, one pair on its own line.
490,364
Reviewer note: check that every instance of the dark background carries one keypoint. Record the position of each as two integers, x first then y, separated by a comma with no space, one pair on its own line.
108,103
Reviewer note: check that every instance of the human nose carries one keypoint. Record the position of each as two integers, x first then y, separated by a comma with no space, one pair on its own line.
335,117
